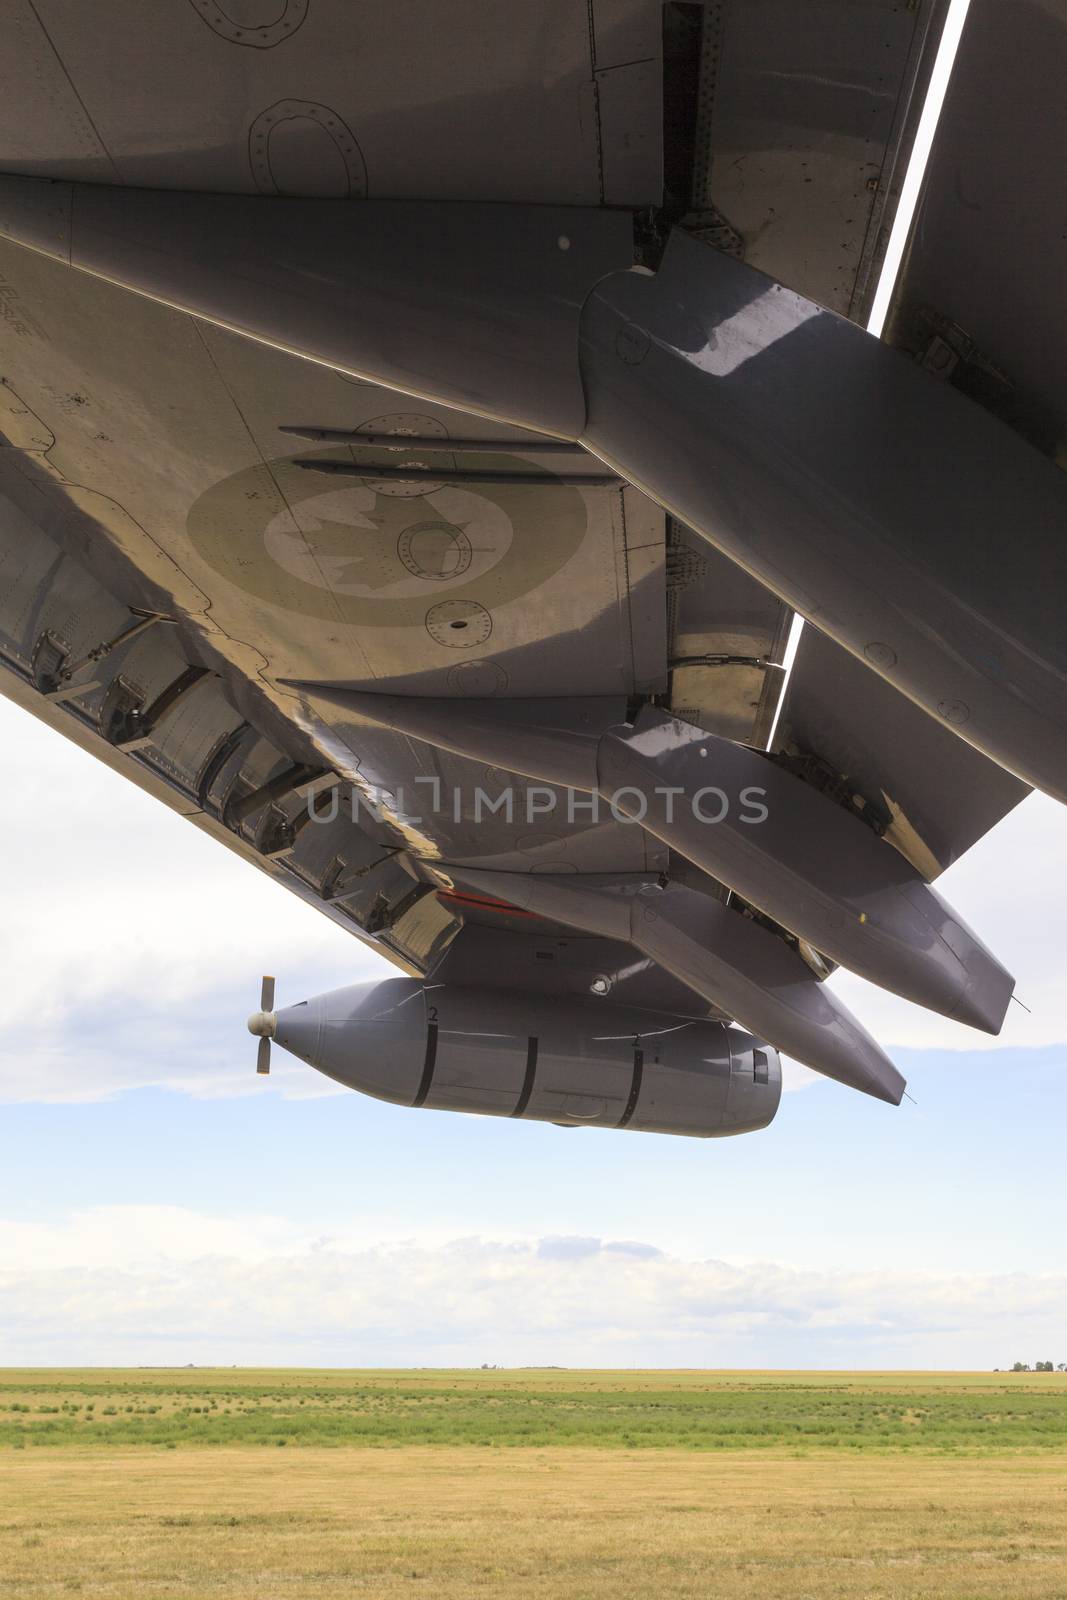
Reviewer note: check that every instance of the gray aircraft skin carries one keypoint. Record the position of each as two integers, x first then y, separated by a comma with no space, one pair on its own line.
421,429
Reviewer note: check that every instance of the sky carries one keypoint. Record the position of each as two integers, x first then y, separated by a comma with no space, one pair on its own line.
160,1203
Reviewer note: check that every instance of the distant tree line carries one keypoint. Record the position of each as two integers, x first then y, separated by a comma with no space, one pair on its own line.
1038,1366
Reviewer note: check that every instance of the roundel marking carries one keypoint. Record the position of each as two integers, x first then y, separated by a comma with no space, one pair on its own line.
297,541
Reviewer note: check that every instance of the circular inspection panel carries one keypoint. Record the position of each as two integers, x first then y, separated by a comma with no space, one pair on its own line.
459,624
435,550
401,423
256,27
479,679
301,148
632,344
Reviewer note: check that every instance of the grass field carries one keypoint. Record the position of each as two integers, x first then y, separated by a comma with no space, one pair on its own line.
548,1484
972,1412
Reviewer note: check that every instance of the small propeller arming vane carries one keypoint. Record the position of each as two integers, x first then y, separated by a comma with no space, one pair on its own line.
262,1024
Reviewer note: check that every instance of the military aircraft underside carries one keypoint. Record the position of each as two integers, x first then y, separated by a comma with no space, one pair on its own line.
426,425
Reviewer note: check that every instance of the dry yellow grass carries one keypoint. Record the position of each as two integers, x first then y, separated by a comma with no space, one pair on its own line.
556,1524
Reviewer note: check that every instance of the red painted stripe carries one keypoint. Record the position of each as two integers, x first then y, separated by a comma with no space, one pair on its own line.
485,905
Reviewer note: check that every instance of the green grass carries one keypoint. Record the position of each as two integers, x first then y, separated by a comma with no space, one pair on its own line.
974,1413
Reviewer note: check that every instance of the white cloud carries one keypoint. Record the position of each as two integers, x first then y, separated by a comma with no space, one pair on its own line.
139,1236
167,1284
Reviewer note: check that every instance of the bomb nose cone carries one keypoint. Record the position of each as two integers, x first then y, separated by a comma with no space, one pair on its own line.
262,1024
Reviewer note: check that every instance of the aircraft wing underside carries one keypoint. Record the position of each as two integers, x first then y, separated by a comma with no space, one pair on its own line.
385,610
